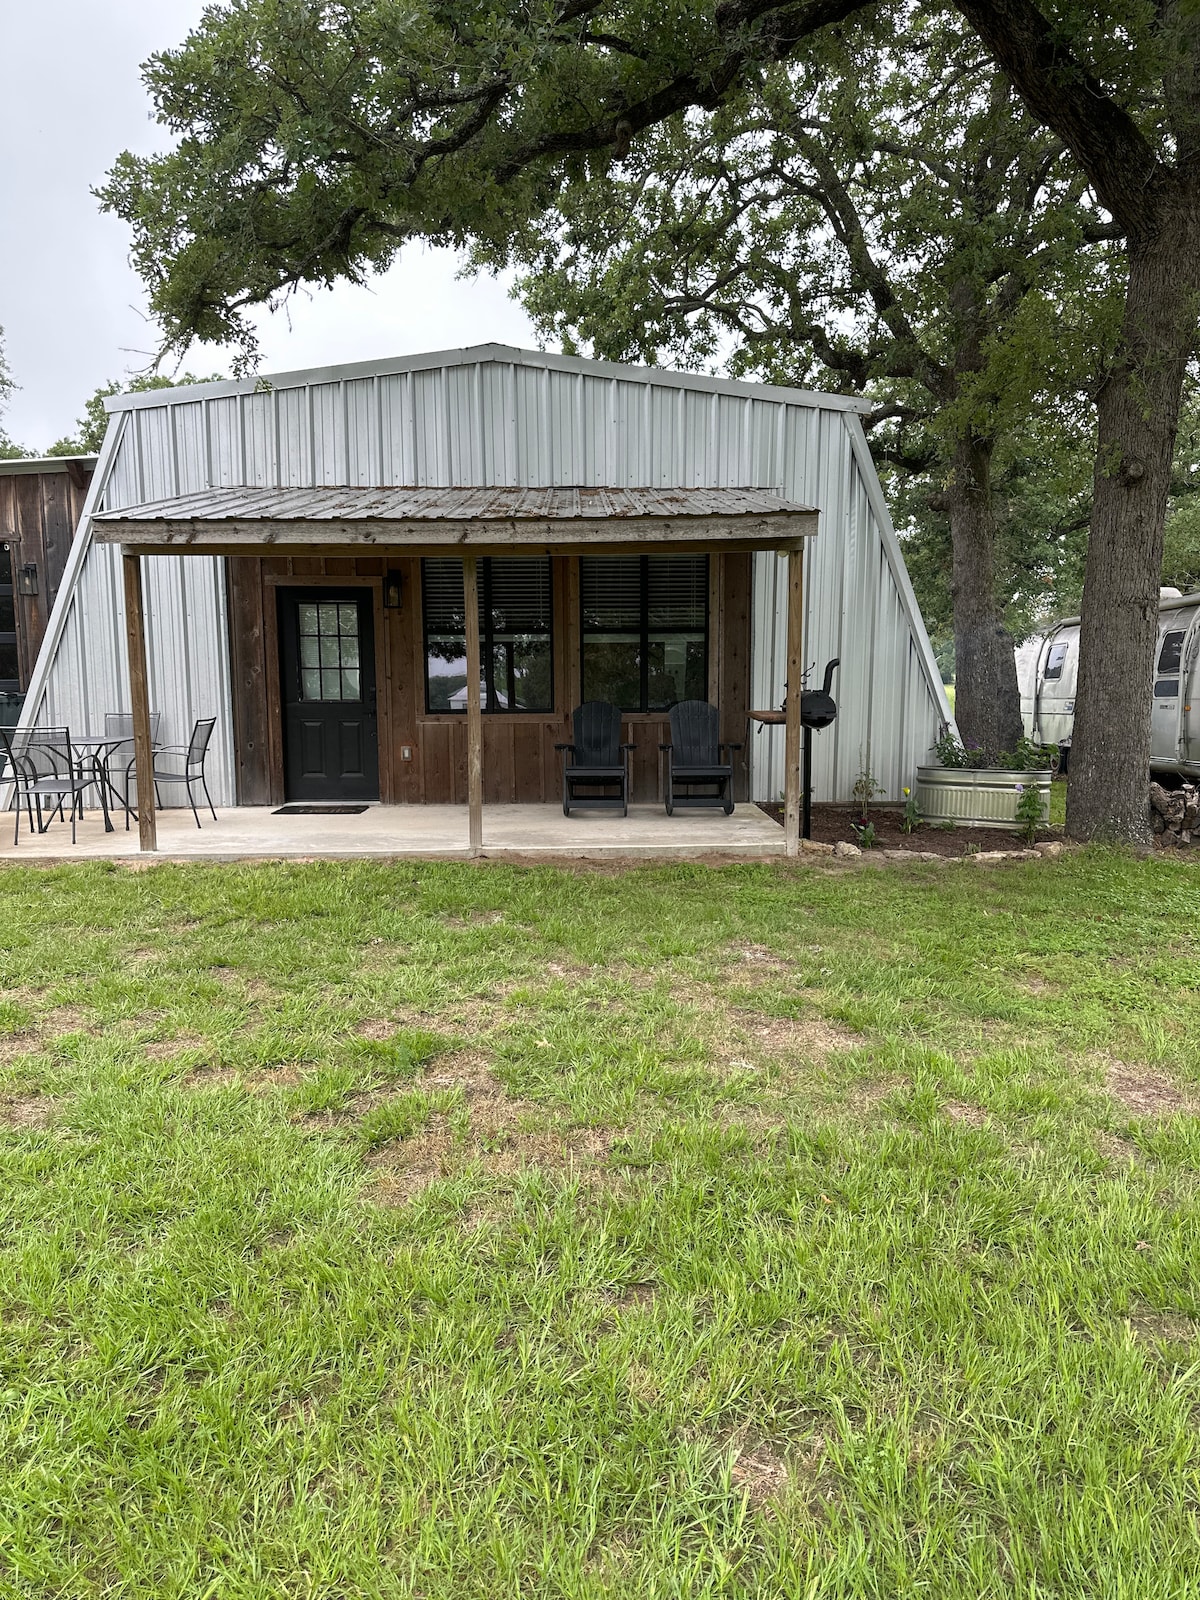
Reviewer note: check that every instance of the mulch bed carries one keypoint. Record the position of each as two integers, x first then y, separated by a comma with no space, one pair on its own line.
831,823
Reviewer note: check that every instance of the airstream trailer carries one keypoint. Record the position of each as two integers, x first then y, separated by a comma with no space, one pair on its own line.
1048,669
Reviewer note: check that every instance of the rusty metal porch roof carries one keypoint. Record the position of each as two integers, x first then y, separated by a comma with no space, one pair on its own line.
426,517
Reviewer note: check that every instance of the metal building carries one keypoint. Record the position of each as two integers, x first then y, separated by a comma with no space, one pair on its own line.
487,417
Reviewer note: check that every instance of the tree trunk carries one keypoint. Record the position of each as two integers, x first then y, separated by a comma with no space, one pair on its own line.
1138,413
987,700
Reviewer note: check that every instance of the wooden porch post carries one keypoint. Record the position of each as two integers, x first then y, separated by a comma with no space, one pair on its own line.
795,671
474,709
139,689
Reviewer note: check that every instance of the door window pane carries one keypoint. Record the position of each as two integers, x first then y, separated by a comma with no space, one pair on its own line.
1167,683
1055,660
8,613
329,652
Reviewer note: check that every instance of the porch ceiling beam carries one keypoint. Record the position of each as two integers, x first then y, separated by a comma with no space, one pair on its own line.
576,535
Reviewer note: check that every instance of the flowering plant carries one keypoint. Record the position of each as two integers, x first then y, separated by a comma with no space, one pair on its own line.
910,818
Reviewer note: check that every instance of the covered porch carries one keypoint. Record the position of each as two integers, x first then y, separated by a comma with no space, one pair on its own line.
384,561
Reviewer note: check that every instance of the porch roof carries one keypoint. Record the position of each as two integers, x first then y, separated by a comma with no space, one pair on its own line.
239,520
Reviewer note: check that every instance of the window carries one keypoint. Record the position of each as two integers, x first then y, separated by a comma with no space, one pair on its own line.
9,679
1167,682
1055,660
644,630
329,662
515,615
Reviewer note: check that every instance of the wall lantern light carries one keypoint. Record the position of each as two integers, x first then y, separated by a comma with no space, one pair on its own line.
27,579
392,591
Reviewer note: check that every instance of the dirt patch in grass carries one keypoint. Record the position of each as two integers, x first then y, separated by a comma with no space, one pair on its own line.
765,1469
632,1296
379,1028
784,1038
1039,986
760,1471
969,1115
258,1081
759,956
869,1095
65,1019
181,1044
27,1111
1121,1152
1162,1327
506,1135
15,1045
1145,1092
403,1169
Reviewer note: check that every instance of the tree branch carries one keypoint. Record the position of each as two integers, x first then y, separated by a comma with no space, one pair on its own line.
1062,93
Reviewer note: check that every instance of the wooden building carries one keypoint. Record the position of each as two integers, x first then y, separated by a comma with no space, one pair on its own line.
40,505
320,613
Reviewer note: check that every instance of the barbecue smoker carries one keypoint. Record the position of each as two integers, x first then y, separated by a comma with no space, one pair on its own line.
818,709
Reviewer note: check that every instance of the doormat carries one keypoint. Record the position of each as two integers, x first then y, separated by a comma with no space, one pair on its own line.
318,811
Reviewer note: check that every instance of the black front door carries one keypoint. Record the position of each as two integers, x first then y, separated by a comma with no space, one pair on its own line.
327,665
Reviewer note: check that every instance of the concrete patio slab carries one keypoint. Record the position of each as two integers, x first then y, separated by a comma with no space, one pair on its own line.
255,832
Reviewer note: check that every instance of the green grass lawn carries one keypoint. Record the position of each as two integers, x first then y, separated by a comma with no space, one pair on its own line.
458,1231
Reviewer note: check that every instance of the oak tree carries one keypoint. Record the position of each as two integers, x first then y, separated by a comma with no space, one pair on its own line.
314,137
885,218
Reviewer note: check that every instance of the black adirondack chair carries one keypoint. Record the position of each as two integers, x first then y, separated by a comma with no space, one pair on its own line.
694,758
596,763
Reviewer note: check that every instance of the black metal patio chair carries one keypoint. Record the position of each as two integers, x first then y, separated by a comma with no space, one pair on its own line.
44,768
694,758
10,772
191,758
119,761
599,762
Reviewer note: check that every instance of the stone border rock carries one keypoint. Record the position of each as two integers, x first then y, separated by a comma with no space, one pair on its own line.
1048,850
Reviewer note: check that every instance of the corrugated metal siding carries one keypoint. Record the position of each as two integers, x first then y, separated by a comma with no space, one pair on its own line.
501,420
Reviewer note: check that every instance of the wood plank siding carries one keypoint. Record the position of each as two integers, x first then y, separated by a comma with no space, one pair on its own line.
520,764
40,506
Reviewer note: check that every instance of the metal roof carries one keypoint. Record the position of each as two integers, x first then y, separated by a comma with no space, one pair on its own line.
473,516
474,355
19,466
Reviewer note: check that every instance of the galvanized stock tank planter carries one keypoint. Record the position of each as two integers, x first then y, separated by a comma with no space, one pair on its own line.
979,797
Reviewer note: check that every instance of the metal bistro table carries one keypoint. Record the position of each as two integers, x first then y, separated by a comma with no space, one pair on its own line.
94,750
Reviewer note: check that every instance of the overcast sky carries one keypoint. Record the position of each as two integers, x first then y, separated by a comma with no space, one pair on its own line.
72,310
